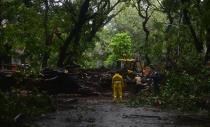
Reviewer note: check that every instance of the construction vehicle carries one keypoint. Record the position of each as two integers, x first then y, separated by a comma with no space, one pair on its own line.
133,65
129,64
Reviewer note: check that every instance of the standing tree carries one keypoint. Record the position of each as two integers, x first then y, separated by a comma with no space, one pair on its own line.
145,11
34,24
92,16
120,44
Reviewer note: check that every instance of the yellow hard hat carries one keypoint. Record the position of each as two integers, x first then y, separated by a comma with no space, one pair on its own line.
130,71
124,55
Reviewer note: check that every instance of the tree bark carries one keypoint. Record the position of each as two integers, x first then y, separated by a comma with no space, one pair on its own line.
47,43
197,43
207,56
82,21
168,49
74,34
145,29
146,18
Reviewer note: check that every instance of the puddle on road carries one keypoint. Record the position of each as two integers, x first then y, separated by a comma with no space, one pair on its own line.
104,113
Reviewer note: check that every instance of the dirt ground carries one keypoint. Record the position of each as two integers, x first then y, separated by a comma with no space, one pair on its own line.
102,112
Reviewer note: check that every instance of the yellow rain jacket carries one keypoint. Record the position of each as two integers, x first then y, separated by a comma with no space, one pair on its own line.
117,85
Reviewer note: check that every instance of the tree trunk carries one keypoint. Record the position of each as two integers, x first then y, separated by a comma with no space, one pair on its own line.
197,43
74,34
207,56
62,54
146,39
47,43
166,31
144,24
145,29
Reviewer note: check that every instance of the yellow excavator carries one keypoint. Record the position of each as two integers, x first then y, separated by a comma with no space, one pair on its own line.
133,65
131,68
129,64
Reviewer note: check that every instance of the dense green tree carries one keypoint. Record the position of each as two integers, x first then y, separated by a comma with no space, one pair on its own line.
99,52
60,32
120,44
188,14
54,31
128,22
21,28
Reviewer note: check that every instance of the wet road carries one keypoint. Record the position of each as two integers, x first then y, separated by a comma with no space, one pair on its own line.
104,113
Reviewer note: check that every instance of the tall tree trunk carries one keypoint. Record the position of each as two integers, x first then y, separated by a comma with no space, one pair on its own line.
95,28
207,56
146,39
144,23
168,49
74,34
166,31
197,43
145,29
47,40
81,20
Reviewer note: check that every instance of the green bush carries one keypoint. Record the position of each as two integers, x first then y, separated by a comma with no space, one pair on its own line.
180,90
24,103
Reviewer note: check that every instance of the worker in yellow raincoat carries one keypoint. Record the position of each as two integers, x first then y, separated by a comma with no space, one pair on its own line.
117,85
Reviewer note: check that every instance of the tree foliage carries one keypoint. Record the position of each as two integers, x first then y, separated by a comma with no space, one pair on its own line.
50,31
120,44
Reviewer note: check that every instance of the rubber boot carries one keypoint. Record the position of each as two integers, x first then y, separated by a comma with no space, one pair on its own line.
115,99
120,98
120,92
115,93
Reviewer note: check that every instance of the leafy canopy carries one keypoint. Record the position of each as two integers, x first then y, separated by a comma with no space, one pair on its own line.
120,44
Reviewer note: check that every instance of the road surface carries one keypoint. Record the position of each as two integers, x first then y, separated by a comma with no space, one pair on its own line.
104,113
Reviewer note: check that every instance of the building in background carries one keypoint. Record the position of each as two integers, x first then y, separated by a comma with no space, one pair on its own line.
8,62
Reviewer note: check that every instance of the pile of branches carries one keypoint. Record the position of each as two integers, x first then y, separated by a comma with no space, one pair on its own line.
70,80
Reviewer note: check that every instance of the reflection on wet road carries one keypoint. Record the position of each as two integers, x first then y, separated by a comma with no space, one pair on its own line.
104,113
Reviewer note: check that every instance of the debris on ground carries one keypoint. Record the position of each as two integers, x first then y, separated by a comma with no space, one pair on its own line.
71,80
